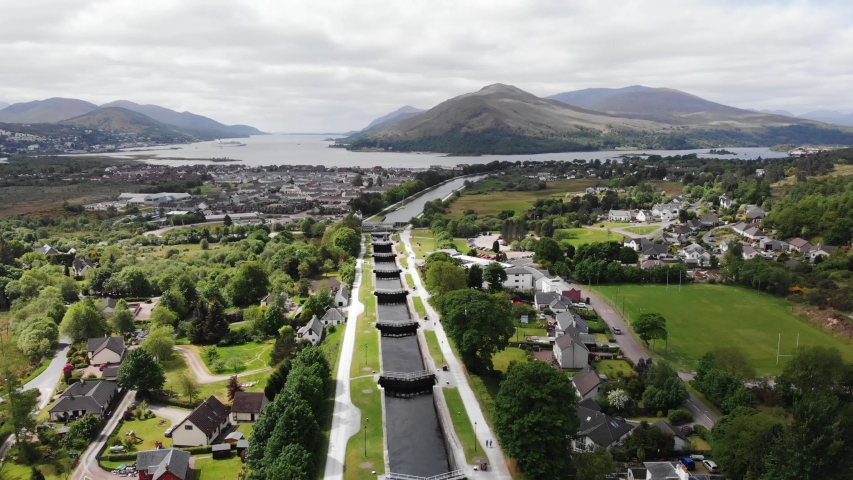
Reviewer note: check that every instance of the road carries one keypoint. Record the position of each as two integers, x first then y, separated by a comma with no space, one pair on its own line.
88,466
632,349
497,461
46,383
202,374
346,419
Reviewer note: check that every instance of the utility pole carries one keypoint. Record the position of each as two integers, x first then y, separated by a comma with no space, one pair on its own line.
475,436
365,436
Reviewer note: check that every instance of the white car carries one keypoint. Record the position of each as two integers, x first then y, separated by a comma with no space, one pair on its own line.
710,465
580,305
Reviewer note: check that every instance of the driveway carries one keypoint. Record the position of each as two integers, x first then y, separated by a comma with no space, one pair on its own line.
171,414
203,375
88,465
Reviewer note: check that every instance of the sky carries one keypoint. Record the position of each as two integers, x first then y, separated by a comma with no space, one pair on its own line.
321,66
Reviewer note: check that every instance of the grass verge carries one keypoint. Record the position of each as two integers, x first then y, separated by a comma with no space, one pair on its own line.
462,425
367,398
419,306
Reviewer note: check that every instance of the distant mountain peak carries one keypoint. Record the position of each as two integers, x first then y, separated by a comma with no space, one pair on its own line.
395,116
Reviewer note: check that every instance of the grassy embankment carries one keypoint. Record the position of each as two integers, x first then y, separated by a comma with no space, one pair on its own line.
701,317
463,426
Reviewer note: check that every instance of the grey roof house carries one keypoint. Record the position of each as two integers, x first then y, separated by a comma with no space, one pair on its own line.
156,464
85,396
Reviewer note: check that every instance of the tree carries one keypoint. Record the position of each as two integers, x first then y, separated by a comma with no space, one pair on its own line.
82,321
198,327
347,240
812,369
443,277
174,300
474,277
38,338
817,444
293,463
284,346
650,326
122,320
233,387
20,406
227,220
297,425
618,398
664,389
478,323
496,246
159,342
357,181
595,465
140,371
248,285
273,319
162,316
188,386
275,382
35,474
495,275
533,392
317,304
737,439
547,250
216,325
650,440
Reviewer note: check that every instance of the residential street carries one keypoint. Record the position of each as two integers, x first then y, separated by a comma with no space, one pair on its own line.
346,418
497,462
88,465
46,383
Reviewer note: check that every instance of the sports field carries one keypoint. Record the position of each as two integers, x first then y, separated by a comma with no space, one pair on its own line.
495,202
644,230
580,236
702,317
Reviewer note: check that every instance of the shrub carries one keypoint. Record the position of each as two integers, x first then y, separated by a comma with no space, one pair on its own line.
660,414
680,415
703,432
331,329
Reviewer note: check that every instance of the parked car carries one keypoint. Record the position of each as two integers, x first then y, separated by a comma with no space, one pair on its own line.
580,305
102,367
697,457
168,432
688,463
711,466
117,449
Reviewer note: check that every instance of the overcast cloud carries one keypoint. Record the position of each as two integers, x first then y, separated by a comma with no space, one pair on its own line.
334,66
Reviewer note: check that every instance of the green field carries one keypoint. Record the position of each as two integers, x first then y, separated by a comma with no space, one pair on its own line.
462,425
580,236
368,399
208,468
701,317
494,202
422,242
253,355
644,230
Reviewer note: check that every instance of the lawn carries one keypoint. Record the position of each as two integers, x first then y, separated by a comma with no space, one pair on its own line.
331,348
701,317
208,468
501,359
433,347
148,431
409,281
366,360
422,242
368,399
521,332
644,230
254,355
612,368
419,306
581,236
611,224
496,201
462,425
246,429
176,365
56,470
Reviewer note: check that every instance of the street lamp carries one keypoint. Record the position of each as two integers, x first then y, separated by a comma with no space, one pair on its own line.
475,436
365,354
365,436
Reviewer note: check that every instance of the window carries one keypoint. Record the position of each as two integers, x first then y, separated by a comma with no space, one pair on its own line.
188,427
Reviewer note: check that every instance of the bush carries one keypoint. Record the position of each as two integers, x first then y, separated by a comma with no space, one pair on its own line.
680,415
660,414
703,432
331,329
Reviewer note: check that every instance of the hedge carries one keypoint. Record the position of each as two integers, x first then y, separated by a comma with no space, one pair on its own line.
703,432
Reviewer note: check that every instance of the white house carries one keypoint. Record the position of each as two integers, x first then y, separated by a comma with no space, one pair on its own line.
312,331
587,382
598,429
106,350
519,278
725,201
333,316
659,471
645,216
247,406
680,440
619,216
695,255
570,353
202,426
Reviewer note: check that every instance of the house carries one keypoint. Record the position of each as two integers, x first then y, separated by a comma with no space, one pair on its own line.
85,396
665,212
749,252
46,250
103,350
560,304
587,382
799,245
725,201
754,213
333,316
109,306
660,471
636,243
247,406
651,263
163,464
819,252
654,251
683,230
543,300
769,245
80,265
312,331
680,440
710,221
570,353
619,216
519,278
342,297
202,426
696,255
645,216
693,224
598,429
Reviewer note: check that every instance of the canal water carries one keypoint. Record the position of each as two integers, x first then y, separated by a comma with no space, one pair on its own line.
414,437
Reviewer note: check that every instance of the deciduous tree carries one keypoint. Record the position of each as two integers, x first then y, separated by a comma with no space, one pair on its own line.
495,275
159,342
121,322
595,465
139,371
82,321
474,277
248,285
443,277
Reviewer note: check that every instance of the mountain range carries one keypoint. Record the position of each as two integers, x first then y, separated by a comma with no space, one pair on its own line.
3,105
120,113
505,119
